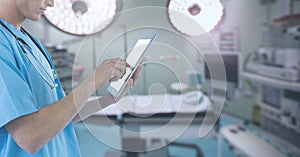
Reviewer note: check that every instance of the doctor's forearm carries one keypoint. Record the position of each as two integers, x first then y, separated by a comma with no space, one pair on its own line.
33,131
93,106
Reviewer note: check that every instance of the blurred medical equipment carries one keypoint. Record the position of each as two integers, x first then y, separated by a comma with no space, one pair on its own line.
273,70
294,31
214,78
244,143
231,63
281,57
281,105
281,63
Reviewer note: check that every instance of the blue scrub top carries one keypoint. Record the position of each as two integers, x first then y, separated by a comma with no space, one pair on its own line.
23,91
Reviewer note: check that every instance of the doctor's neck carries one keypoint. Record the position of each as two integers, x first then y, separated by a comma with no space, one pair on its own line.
10,13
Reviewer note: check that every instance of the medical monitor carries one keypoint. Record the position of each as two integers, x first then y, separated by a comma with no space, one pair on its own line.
231,61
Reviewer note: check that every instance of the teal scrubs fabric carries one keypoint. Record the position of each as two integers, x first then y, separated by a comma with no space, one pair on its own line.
23,91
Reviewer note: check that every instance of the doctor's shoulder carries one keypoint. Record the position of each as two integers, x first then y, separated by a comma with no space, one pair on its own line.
7,44
5,37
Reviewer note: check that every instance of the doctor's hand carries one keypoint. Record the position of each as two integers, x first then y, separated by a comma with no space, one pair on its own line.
109,70
130,83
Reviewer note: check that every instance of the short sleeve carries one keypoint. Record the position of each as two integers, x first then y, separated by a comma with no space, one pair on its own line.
16,98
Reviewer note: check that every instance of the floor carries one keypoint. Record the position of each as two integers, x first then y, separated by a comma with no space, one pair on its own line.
92,147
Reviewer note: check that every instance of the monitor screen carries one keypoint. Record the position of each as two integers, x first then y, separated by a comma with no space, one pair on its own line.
231,65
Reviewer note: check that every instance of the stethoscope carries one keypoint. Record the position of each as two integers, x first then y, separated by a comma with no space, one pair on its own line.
52,84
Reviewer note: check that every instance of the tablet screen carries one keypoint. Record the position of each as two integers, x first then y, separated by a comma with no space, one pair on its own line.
134,59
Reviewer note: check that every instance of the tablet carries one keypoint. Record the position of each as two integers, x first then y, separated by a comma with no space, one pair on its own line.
134,59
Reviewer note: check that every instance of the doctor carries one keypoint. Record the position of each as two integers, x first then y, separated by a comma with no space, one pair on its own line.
36,118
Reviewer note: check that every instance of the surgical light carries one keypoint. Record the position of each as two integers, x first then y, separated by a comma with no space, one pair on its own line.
81,17
195,17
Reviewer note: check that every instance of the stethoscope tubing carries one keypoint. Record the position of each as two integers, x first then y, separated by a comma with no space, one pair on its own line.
26,54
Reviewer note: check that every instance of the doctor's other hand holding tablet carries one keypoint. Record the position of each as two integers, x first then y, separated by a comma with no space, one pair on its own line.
112,70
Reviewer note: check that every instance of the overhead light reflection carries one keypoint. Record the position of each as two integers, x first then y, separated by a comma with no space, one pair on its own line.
189,16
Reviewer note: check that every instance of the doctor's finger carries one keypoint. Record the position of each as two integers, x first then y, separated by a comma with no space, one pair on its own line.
117,74
119,62
137,73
